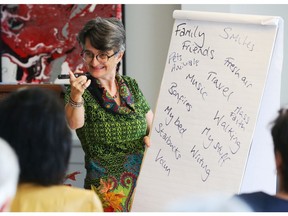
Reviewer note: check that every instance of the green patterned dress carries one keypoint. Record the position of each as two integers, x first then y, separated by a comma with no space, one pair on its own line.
114,147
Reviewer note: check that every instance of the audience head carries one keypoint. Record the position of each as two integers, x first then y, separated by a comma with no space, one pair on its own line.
279,133
33,122
9,172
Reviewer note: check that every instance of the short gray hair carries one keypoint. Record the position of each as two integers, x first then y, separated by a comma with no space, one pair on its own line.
104,33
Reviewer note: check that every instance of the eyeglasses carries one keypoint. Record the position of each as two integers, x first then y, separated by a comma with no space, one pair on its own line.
88,56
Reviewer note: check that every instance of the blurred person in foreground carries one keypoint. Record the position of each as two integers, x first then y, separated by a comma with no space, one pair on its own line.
33,122
263,202
9,173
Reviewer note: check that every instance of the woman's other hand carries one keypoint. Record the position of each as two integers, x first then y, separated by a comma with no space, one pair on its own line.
146,140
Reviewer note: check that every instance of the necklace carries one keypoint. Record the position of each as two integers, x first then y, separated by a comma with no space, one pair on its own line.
116,94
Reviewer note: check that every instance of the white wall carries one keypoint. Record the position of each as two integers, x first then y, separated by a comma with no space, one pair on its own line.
76,163
148,30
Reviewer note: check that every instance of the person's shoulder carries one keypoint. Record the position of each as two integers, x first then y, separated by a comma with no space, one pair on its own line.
260,201
32,197
73,189
86,196
254,195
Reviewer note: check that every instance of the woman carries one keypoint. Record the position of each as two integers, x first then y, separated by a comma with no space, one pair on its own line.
110,114
33,123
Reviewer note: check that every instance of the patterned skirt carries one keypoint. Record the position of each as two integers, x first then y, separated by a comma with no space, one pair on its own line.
114,179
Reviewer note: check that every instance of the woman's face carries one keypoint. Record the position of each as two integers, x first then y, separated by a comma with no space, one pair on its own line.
98,69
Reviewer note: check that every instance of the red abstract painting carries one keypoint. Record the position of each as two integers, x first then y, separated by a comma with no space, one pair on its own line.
38,42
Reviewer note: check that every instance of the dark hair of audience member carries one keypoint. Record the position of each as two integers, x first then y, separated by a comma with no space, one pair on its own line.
279,133
33,122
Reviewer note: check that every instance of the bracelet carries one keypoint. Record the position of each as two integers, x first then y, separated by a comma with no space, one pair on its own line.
72,103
